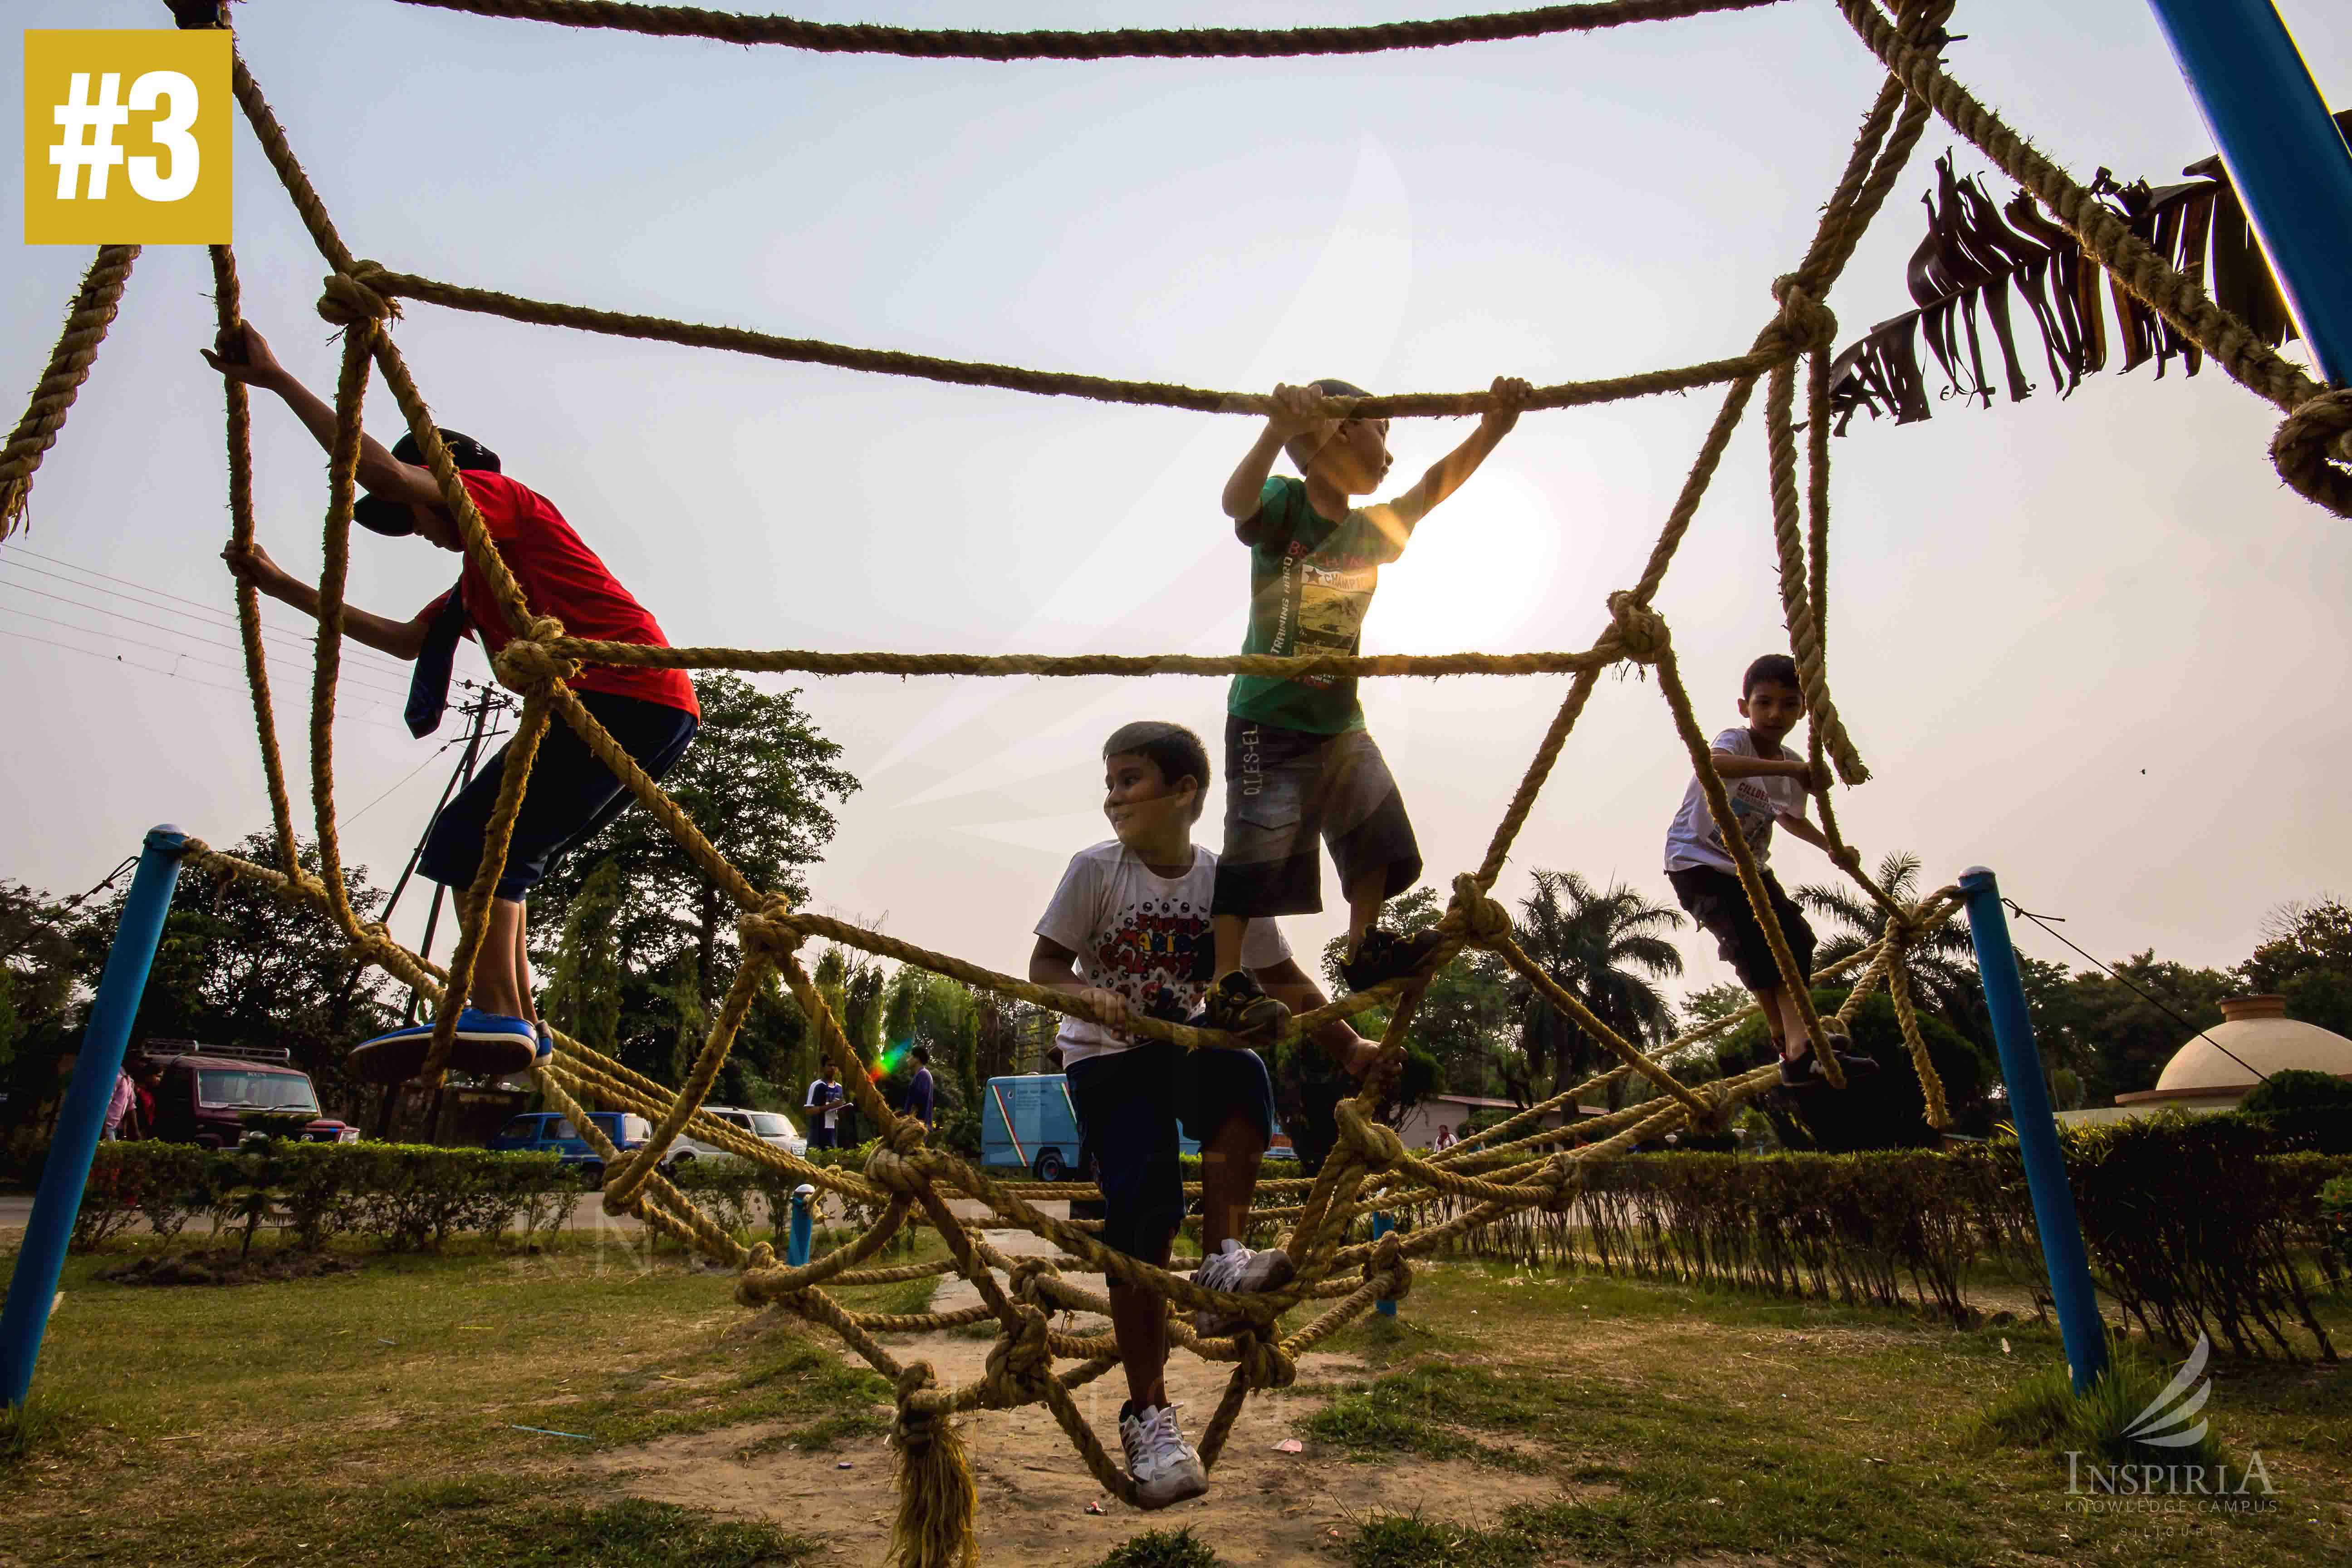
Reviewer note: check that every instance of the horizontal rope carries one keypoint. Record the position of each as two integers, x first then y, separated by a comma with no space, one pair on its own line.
644,656
1041,383
1125,43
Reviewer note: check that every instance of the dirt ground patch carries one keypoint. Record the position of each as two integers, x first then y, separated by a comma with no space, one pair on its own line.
226,1268
1262,1507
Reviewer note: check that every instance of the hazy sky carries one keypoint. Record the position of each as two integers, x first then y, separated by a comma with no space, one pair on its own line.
2094,644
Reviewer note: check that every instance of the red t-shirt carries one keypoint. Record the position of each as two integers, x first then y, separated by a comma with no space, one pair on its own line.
561,576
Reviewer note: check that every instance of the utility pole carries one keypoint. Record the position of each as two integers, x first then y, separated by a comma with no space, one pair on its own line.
483,699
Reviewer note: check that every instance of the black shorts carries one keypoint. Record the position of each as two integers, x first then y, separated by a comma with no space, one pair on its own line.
1717,901
570,799
1130,1104
1285,789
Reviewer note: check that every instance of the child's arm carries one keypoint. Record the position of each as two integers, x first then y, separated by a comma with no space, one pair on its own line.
1740,765
1445,476
246,358
1050,966
1288,985
401,639
1294,414
1850,857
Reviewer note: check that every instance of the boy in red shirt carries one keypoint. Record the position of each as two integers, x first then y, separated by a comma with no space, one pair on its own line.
571,795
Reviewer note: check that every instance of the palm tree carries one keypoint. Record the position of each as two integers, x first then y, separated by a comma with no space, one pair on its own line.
1605,948
1942,964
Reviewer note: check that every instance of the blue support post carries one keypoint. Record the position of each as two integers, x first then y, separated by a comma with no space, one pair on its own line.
1382,1225
32,1290
2288,161
796,1251
2037,1133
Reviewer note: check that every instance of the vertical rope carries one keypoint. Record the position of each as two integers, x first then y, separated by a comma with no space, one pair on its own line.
343,472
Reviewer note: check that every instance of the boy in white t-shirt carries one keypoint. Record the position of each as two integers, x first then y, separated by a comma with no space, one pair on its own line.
1768,783
1128,930
824,1104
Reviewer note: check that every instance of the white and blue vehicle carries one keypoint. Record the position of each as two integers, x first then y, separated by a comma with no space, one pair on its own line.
1026,1123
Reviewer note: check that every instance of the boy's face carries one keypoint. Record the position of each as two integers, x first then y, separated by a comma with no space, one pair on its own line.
1140,803
1771,709
1356,459
437,526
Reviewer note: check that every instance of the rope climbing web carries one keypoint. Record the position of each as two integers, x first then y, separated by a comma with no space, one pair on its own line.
1517,1164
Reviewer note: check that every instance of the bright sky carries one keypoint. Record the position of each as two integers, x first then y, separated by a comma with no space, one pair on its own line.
2094,644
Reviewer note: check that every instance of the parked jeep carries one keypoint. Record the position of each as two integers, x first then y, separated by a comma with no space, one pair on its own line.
552,1132
206,1091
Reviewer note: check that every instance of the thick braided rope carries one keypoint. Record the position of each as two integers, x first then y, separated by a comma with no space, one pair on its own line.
228,311
1788,536
87,319
343,470
2135,266
648,656
378,283
1125,43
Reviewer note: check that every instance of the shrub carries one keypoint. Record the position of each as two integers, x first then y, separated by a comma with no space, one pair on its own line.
2303,1110
405,1195
2336,1223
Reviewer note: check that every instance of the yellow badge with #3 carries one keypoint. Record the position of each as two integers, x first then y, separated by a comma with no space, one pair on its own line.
127,137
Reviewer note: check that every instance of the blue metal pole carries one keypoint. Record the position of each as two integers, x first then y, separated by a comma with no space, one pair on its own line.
2288,161
2037,1133
1382,1225
796,1251
32,1290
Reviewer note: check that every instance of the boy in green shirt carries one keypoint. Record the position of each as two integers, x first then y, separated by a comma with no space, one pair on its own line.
1299,761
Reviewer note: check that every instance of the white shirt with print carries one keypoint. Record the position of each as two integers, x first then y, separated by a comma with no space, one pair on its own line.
1135,930
1756,803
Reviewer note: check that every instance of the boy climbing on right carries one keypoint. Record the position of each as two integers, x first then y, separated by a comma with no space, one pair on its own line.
1768,783
1299,761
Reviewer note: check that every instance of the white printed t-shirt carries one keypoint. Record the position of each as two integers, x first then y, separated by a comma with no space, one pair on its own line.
1756,804
1134,931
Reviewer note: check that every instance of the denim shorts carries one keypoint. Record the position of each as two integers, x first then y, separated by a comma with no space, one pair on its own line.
1719,904
570,799
1285,789
1130,1104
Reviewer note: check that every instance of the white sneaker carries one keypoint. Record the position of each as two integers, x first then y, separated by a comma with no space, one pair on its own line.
1236,1269
1166,1469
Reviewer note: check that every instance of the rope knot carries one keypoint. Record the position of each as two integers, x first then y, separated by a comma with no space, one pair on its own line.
1262,1363
891,1169
921,1421
530,659
2313,450
1027,1279
1019,1363
1379,1147
1639,631
350,297
1388,1261
1483,920
1806,325
768,930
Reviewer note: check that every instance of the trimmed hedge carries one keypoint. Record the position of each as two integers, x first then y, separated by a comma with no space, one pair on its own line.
408,1196
2193,1224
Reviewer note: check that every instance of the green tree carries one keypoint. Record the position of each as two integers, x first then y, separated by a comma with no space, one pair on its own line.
1607,949
1943,965
1466,1019
2117,1034
40,967
760,781
584,995
2306,956
239,965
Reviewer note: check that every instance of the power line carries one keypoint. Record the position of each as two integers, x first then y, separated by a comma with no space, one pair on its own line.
361,715
2022,913
209,610
119,659
168,631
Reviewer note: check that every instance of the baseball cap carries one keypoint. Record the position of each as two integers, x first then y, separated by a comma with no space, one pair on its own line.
381,515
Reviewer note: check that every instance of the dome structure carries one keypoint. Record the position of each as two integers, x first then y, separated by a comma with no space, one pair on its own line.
2255,1039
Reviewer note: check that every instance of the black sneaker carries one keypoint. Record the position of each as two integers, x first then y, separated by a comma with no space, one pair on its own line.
1385,955
1238,1006
1805,1071
1167,1007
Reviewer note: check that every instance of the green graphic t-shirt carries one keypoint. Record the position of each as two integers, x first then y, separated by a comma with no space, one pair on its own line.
1311,580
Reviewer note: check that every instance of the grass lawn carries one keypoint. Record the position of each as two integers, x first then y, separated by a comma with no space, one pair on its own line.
372,1417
